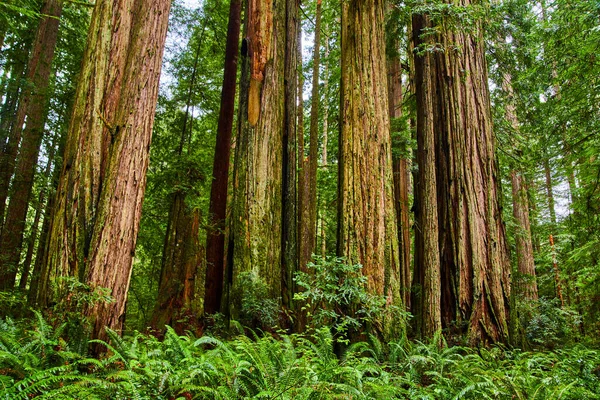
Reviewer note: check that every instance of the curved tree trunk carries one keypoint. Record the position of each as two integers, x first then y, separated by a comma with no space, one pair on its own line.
366,215
33,106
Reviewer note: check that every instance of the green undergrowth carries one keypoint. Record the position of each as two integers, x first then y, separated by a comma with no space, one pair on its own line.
36,362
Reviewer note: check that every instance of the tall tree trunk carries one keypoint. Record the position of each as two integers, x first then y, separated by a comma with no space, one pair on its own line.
426,281
549,193
36,220
401,175
257,187
180,260
526,284
366,215
308,228
99,198
215,240
16,72
475,267
34,105
290,165
324,162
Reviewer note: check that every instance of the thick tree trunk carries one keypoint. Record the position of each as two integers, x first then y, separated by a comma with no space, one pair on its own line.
257,187
426,281
33,105
475,268
99,199
215,240
401,177
366,215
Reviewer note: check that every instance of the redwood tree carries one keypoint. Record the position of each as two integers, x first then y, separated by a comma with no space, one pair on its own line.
256,224
99,198
366,215
215,241
473,256
33,107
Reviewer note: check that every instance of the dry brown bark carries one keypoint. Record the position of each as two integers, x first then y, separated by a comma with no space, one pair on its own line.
366,215
33,106
99,198
255,243
474,263
215,241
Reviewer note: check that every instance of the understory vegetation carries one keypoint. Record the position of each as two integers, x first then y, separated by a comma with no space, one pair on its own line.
37,361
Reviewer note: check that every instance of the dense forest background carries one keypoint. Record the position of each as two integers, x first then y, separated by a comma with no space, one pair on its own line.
299,199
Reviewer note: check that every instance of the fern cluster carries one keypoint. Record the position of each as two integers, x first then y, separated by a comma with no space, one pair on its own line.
37,362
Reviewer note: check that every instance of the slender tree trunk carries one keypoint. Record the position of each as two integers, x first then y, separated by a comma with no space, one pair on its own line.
526,284
401,177
308,227
324,161
99,198
366,215
427,275
475,267
549,193
215,240
257,187
9,108
36,220
180,261
290,165
181,258
34,106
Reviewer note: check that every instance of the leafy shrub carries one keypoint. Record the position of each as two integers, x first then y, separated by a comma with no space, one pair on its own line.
335,295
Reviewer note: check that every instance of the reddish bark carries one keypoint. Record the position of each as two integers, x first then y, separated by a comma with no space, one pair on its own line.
215,241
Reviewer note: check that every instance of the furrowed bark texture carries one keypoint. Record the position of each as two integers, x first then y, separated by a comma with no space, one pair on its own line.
99,198
366,215
475,268
427,278
33,106
257,187
181,258
401,179
215,241
526,284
